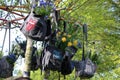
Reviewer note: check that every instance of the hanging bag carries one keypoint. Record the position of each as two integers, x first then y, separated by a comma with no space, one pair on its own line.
85,68
67,66
35,27
51,59
7,65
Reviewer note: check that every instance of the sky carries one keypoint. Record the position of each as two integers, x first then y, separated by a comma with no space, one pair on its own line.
14,33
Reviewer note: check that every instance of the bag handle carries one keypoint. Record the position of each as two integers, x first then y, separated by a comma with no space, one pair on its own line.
85,32
85,36
83,51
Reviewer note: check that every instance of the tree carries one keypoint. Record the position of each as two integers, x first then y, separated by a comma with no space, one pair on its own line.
28,54
102,17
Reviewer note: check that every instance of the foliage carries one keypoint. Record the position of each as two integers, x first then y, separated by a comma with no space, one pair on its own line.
18,49
102,17
64,40
43,10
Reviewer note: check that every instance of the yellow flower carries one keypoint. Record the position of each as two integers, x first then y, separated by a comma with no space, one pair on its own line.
75,42
59,33
69,36
69,44
64,34
63,39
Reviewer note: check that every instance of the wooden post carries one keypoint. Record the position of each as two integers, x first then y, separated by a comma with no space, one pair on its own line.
28,54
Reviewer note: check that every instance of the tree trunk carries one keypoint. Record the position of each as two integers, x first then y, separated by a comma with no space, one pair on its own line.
28,54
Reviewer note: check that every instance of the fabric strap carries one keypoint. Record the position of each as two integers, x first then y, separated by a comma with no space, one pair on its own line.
46,58
85,41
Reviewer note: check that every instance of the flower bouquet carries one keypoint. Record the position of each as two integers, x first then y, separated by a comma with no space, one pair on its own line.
64,40
43,9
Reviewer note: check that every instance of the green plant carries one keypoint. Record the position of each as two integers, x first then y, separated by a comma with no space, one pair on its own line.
64,40
43,10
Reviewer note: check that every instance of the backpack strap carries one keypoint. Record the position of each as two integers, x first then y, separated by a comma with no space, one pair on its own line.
46,58
85,42
83,48
85,29
85,32
42,54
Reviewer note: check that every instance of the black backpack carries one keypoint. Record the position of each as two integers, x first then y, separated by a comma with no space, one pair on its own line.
36,27
85,68
67,66
51,59
7,65
54,59
34,65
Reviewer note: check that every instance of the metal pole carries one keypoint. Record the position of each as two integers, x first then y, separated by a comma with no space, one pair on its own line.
9,25
4,39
